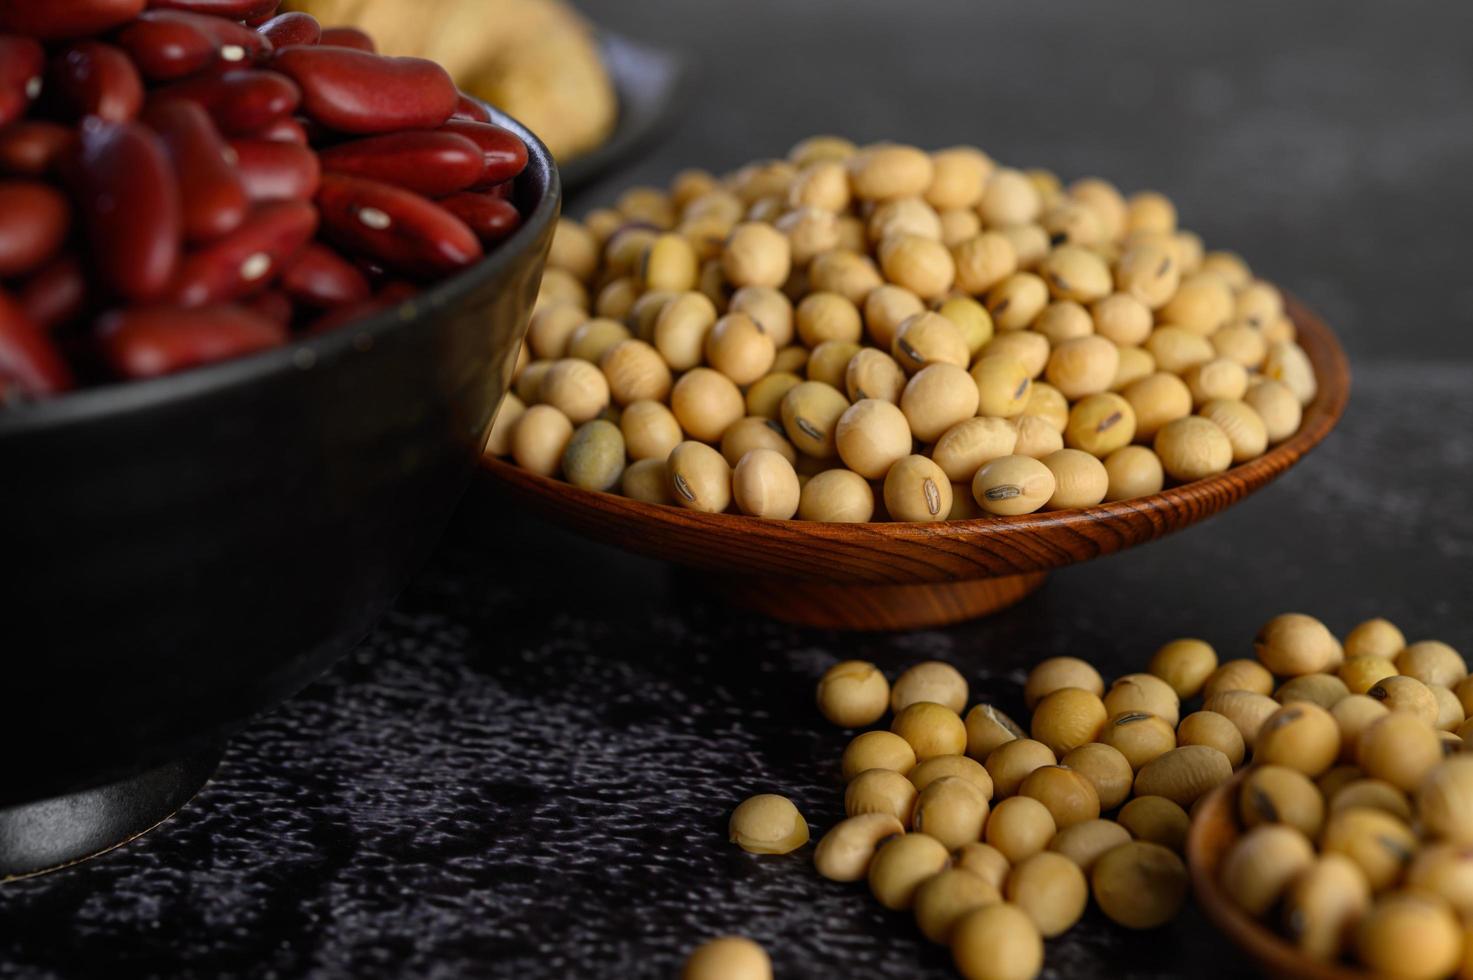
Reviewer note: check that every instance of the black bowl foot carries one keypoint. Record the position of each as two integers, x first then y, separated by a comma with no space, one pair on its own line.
48,835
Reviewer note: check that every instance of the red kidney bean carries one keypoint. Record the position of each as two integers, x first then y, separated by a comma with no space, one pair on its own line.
356,92
90,78
57,294
273,304
61,20
31,149
242,101
504,153
34,219
424,161
291,28
406,232
248,259
235,43
284,131
227,9
22,60
318,276
491,218
28,358
273,171
125,189
165,45
348,37
468,109
210,190
149,341
502,190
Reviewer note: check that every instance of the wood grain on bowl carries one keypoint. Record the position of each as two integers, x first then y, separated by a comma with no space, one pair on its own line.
1214,830
900,576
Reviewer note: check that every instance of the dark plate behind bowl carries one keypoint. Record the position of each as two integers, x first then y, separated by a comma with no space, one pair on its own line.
184,552
647,82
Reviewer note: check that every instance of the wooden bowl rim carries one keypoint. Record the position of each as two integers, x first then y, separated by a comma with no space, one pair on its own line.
1332,373
1206,847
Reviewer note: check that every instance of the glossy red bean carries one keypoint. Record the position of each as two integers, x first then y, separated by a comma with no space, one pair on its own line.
468,109
57,294
348,37
273,304
242,102
165,45
210,190
291,28
248,259
60,20
34,219
124,188
90,78
22,60
30,148
424,161
273,171
504,153
491,218
284,131
230,45
227,9
29,361
404,231
320,277
356,92
502,190
150,341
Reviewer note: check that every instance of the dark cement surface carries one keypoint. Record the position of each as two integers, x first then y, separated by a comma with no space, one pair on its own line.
526,769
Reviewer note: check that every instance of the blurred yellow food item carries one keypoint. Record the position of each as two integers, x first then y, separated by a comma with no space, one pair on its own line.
536,59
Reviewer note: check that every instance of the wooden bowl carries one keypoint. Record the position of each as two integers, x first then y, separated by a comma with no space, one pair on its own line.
904,576
1214,830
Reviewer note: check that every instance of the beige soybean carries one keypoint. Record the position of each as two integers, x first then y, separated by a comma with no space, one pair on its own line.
836,496
960,766
1399,748
1149,273
1375,637
1241,424
827,316
756,254
1302,736
1215,731
984,861
1157,820
646,480
594,457
1361,673
635,371
700,478
1376,794
1101,424
1080,479
871,436
1143,692
971,319
764,398
1037,438
1051,889
848,273
769,307
1184,774
1277,406
1450,713
903,216
1122,319
962,449
1323,904
1020,827
810,231
932,680
1379,843
945,898
1134,363
1157,400
810,414
1068,795
1107,770
1433,663
880,791
1406,694
1177,350
1241,343
1259,866
1013,761
1057,673
829,362
594,338
929,338
931,729
1288,364
1139,885
1068,718
1085,843
768,824
853,694
988,729
498,442
997,942
885,308
958,178
916,489
576,388
845,852
538,441
1239,675
616,300
952,810
1293,643
705,402
1013,485
1138,735
984,260
889,170
1219,379
1002,386
1029,349
1048,404
747,434
1245,709
1185,665
920,264
1016,301
764,484
1193,448
1445,800
1278,794
900,866
1410,935
936,398
1445,870
1133,471
650,430
728,958
1074,272
552,327
1354,714
876,750
739,348
1201,304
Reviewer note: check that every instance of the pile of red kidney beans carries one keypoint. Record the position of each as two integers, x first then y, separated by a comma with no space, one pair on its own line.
185,181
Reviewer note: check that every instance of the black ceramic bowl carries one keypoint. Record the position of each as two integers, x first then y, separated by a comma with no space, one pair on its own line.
184,552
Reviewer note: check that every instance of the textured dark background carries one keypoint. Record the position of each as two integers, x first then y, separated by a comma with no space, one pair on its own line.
526,769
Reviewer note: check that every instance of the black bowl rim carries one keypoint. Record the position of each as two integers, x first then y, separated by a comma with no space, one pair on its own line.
116,398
